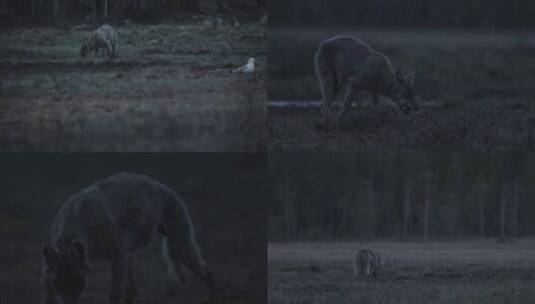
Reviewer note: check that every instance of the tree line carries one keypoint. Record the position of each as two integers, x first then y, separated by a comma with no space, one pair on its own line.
406,13
401,195
68,12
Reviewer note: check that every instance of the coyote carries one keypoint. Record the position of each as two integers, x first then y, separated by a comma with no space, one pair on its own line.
367,262
346,65
104,37
113,218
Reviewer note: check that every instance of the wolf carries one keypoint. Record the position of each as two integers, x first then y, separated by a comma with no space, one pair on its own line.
104,37
345,65
112,219
367,262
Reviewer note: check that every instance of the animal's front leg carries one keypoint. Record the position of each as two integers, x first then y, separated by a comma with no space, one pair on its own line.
119,276
131,290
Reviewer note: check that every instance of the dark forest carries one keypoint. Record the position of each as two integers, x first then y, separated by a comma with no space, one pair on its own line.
405,13
401,195
65,12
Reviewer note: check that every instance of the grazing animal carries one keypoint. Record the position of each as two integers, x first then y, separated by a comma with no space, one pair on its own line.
345,66
104,37
367,262
112,219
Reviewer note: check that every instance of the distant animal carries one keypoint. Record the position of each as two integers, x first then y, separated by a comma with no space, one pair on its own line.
112,219
219,23
263,19
345,66
367,262
248,68
104,37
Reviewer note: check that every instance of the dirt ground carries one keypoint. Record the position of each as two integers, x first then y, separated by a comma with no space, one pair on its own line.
450,128
480,271
476,86
169,89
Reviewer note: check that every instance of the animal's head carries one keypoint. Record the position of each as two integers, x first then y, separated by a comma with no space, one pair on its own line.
64,274
250,61
84,49
403,93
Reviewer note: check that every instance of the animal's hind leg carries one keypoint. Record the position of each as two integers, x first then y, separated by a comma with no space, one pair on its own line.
346,90
328,87
355,266
330,92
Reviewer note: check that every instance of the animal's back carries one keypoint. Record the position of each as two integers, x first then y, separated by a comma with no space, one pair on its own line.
344,53
108,33
345,45
121,207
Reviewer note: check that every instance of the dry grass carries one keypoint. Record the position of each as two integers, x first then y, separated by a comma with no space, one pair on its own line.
456,272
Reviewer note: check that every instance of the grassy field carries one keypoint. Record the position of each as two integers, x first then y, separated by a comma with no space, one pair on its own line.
169,89
477,89
457,272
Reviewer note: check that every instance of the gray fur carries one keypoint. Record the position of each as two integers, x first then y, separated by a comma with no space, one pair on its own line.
367,262
105,37
346,66
113,218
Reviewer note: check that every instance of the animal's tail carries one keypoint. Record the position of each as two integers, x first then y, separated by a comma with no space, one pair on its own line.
181,244
175,267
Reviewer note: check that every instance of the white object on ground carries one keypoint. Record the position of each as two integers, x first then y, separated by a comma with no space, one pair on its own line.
247,68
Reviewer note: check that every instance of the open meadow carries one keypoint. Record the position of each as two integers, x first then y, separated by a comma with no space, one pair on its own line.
477,90
472,271
170,88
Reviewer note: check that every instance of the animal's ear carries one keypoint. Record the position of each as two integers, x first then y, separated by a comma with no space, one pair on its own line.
49,254
77,252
